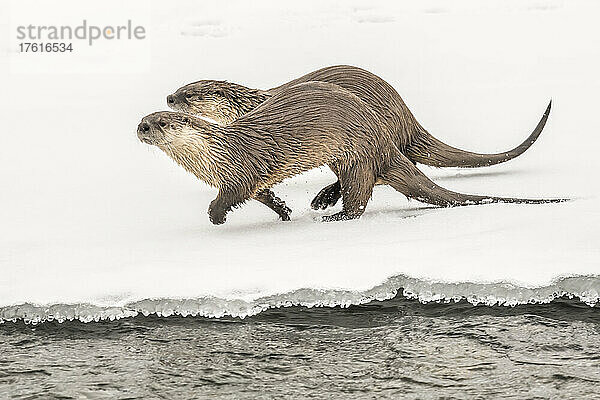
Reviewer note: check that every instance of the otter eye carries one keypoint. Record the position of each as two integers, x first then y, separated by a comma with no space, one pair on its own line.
162,124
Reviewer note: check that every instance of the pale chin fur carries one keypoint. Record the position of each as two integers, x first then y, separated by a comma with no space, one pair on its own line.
212,121
191,150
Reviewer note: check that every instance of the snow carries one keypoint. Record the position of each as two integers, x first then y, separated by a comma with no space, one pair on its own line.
88,214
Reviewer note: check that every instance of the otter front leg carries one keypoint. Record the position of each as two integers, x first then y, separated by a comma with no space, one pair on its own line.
327,197
225,201
268,198
356,183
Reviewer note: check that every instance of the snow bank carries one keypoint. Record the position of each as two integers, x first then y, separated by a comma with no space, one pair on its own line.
92,219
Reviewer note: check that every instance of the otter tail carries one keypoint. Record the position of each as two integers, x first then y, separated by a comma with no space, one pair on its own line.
430,151
410,181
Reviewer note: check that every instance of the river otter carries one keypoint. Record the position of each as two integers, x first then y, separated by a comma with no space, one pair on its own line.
224,102
302,127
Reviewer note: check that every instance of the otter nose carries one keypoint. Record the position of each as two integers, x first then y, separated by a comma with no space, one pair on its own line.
144,127
170,99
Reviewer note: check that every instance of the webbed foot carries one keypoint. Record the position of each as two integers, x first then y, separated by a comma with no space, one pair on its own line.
327,197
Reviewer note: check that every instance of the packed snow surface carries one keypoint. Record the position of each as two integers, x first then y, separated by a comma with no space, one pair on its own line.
95,224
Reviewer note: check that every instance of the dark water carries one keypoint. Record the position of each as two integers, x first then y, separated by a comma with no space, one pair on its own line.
391,349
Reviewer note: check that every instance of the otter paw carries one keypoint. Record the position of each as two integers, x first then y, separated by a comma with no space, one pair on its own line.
217,219
327,197
285,214
217,215
341,216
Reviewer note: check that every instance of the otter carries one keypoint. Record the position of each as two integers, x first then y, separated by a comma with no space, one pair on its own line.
302,127
224,102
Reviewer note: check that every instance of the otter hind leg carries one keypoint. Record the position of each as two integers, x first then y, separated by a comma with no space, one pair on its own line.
268,198
356,187
327,197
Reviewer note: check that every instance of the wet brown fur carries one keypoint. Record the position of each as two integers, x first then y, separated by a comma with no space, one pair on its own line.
300,128
224,102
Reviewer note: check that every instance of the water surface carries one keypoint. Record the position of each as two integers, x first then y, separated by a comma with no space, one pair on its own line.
387,349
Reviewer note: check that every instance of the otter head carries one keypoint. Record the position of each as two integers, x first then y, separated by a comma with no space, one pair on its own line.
165,128
221,101
186,139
